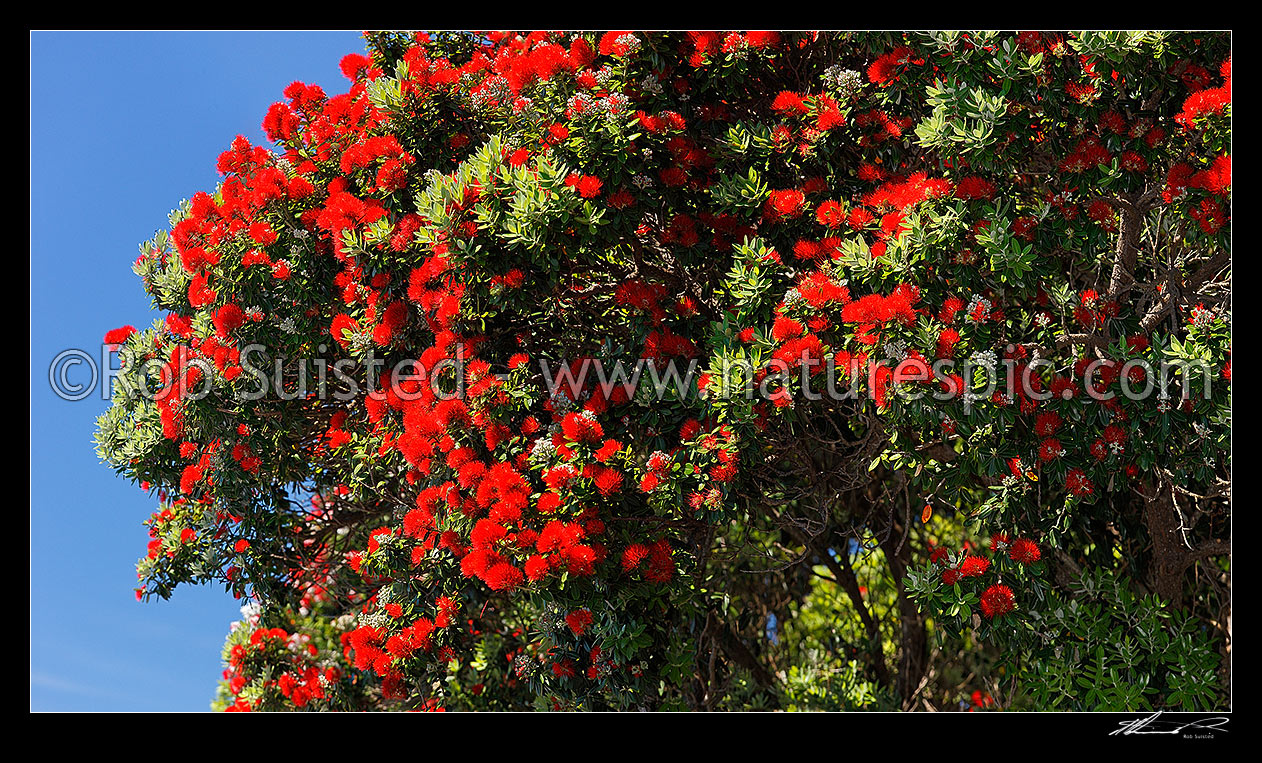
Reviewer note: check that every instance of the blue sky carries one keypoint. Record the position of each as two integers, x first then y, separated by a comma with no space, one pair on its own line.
124,126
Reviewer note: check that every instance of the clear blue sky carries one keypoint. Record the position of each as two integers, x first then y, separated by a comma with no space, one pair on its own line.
124,126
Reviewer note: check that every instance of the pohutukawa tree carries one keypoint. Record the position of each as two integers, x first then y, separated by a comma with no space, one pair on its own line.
350,413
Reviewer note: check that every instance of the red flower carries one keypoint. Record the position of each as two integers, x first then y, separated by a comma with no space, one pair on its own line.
119,335
503,577
1024,551
588,186
997,600
831,214
974,566
579,620
785,203
1077,483
789,103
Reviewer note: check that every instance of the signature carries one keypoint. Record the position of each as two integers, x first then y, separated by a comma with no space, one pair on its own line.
1151,725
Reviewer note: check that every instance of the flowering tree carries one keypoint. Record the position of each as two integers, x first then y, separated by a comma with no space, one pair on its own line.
386,405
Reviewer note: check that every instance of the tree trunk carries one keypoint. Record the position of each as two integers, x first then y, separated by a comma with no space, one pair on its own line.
914,649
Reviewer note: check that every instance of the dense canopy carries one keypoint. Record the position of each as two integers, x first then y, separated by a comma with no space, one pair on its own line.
384,404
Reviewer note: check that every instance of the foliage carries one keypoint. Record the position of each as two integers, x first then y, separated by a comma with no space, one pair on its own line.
348,413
